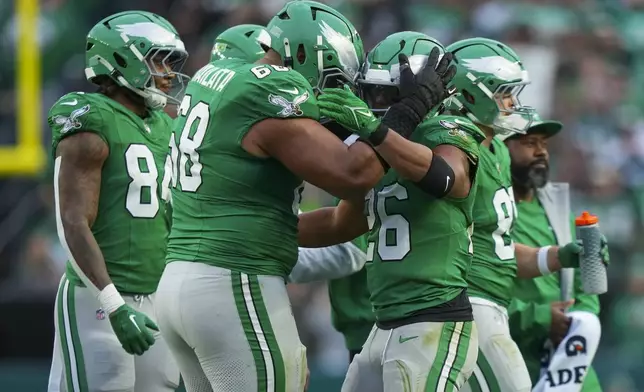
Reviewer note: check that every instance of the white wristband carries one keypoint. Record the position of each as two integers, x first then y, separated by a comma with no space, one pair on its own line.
349,141
542,260
110,299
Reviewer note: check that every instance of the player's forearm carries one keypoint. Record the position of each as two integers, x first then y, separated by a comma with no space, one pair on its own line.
312,222
85,254
77,184
332,225
86,257
347,173
411,160
528,261
362,168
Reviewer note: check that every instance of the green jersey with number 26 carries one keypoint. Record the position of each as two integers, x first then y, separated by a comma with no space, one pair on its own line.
420,246
494,265
131,225
231,209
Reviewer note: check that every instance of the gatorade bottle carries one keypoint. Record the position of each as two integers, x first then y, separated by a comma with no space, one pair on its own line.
593,270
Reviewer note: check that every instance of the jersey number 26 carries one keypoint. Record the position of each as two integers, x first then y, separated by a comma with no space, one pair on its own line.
396,224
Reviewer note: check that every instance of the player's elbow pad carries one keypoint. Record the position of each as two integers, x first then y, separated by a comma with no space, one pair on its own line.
439,179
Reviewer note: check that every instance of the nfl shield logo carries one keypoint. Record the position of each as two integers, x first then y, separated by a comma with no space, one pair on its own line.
100,314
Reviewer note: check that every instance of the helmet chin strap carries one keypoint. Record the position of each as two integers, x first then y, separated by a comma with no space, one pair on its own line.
153,97
511,124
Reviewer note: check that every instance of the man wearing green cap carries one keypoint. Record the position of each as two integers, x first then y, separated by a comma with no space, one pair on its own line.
554,324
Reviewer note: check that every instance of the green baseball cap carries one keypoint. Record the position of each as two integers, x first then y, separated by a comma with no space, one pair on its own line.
544,127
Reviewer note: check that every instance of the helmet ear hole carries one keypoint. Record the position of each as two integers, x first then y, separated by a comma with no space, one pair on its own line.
468,97
301,54
314,13
119,60
402,44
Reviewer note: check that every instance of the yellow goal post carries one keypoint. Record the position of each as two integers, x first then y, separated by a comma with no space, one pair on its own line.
27,156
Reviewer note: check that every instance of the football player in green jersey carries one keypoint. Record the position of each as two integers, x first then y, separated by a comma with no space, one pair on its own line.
351,310
424,337
545,318
313,264
489,80
241,42
111,149
247,136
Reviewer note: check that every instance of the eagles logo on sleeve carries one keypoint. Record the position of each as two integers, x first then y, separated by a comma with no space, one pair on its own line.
71,122
447,124
289,108
453,129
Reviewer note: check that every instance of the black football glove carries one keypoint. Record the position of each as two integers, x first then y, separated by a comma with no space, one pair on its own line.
419,93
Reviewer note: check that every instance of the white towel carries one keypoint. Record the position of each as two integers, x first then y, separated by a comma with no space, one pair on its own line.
564,369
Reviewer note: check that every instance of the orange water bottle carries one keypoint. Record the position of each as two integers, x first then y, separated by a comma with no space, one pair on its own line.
593,269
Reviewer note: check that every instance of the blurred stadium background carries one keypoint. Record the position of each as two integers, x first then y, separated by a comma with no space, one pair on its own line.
585,56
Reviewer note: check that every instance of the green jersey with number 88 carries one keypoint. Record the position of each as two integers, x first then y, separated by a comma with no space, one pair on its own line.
131,224
232,209
494,265
420,246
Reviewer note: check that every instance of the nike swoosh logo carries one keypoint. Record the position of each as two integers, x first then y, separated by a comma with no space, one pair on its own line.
70,103
403,340
364,113
293,91
451,91
134,322
361,111
447,184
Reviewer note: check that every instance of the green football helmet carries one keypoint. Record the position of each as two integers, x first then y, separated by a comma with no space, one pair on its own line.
318,42
489,79
134,47
246,41
379,77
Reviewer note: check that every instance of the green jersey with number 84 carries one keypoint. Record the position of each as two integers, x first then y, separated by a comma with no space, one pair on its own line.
494,265
231,209
420,246
131,225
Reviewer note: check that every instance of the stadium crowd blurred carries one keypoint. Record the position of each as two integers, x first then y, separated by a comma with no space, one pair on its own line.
586,60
